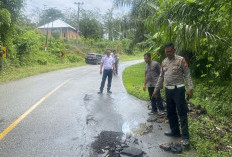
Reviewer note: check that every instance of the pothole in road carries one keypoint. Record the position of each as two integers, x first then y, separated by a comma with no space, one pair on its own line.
90,120
113,144
87,97
134,128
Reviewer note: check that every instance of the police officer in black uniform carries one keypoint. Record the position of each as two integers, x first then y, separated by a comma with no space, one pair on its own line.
174,71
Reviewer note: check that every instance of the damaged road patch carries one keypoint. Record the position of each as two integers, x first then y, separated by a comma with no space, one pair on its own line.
90,120
131,151
108,142
114,144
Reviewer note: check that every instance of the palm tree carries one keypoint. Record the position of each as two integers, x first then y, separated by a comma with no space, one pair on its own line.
201,31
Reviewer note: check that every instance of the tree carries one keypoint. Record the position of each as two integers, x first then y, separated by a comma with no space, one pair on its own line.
140,11
91,28
9,13
90,25
13,6
125,26
115,27
200,30
108,24
5,24
50,15
70,17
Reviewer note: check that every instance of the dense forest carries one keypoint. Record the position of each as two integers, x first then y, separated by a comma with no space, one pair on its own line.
25,44
200,30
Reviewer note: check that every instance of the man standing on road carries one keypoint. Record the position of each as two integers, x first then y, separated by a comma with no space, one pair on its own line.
173,72
108,63
152,72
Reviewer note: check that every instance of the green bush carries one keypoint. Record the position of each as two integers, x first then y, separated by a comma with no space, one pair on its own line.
73,58
56,46
126,46
210,134
44,58
56,34
217,99
101,45
29,42
39,58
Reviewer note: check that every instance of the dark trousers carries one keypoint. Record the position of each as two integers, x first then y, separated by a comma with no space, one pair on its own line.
175,99
116,68
155,102
106,73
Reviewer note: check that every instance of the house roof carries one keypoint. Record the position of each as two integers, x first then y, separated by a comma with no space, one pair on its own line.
56,24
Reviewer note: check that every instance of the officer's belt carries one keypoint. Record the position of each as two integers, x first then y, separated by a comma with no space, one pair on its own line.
173,87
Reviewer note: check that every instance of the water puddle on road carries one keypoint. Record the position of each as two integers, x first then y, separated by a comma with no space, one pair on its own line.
87,97
134,128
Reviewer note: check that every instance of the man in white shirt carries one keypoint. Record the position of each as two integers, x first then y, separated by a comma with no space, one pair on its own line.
108,63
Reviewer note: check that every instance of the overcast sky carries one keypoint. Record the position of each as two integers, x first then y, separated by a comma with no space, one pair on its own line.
102,5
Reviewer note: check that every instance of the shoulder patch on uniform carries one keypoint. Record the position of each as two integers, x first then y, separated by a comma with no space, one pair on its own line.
184,63
179,57
164,63
176,62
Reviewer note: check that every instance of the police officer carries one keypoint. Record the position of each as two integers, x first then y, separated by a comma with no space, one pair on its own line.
174,70
108,63
152,72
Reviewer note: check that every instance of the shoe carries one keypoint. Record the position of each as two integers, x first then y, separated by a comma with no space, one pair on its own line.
176,148
173,147
152,112
172,134
100,92
160,113
185,142
109,92
166,146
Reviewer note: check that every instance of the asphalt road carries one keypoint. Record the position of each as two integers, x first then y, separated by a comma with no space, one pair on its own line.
60,114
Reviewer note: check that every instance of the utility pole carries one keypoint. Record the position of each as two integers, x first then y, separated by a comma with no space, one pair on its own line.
78,17
46,41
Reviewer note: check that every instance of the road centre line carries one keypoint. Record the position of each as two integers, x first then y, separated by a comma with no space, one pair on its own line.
12,125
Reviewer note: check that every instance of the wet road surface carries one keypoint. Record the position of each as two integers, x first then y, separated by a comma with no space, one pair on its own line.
63,114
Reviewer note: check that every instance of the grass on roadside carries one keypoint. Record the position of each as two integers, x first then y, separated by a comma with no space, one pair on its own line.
130,57
12,73
210,133
133,79
22,72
